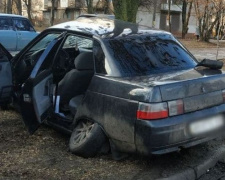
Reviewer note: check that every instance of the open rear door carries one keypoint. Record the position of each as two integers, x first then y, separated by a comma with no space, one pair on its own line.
5,76
36,97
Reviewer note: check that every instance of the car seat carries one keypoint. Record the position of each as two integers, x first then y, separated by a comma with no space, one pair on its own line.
77,80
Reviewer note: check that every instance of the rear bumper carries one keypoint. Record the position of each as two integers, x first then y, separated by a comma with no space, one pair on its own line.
172,134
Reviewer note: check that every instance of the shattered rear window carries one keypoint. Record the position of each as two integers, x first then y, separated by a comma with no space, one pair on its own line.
145,54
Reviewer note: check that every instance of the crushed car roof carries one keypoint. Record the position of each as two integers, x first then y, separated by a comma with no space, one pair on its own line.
100,26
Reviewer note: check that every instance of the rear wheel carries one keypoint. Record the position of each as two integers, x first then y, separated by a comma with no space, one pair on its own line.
87,139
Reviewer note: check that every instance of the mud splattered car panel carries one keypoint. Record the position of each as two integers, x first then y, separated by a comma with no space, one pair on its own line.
145,90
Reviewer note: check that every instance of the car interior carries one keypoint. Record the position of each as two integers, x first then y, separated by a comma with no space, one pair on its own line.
75,82
72,73
72,67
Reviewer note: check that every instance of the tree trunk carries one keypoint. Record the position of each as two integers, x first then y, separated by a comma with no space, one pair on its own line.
52,12
18,6
90,9
29,11
209,31
132,9
120,9
154,13
5,6
9,6
185,17
169,15
28,5
126,9
189,15
109,9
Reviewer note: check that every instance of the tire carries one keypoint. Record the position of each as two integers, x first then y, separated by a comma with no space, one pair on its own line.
86,139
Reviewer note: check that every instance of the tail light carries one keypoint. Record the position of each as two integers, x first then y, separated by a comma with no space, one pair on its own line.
152,111
176,107
162,110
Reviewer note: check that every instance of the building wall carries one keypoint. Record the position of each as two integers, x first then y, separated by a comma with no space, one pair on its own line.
145,17
192,23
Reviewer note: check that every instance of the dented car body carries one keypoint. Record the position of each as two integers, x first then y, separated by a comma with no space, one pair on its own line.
106,81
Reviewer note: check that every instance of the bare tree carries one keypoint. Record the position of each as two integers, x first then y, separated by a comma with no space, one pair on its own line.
9,6
29,9
186,14
90,9
3,6
108,9
53,12
208,16
169,14
18,7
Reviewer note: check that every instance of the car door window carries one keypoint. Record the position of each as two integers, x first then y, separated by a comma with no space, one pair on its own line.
22,25
78,42
6,24
32,55
28,60
72,46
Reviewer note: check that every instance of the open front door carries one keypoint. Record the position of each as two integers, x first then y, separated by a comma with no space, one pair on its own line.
36,97
5,76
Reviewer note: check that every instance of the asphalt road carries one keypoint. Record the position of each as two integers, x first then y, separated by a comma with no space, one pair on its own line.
209,53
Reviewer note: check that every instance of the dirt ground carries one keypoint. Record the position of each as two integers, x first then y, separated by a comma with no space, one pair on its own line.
45,155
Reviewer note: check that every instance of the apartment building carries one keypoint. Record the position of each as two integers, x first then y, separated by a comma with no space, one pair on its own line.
66,10
156,15
153,13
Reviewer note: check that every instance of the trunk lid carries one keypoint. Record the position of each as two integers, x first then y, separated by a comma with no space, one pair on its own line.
199,88
204,92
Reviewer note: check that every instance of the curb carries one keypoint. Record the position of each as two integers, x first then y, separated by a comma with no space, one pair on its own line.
192,173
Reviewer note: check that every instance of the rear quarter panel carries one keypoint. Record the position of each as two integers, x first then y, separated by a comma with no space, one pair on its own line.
116,114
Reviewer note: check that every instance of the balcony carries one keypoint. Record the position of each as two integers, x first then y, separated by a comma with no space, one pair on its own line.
173,7
48,4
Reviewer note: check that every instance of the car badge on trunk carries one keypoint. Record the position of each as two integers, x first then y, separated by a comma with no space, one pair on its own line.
203,90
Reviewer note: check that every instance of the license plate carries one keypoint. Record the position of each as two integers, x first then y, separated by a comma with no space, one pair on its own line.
206,125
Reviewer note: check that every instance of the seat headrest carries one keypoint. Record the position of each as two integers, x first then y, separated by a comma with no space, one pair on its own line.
84,61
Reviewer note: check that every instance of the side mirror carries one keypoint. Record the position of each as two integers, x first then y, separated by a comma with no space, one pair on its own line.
212,64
